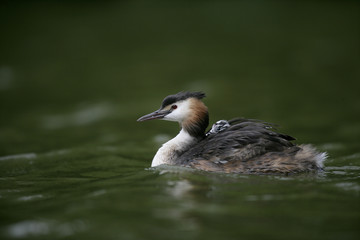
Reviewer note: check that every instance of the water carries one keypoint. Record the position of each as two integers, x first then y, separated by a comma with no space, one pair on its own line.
74,77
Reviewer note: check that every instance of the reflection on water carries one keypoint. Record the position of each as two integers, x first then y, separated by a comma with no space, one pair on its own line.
179,189
32,197
180,192
349,186
343,168
39,228
97,193
266,197
100,193
18,156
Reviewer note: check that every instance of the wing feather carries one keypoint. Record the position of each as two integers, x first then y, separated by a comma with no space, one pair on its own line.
244,140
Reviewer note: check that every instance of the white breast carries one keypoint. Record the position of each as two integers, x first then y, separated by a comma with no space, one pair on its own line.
171,149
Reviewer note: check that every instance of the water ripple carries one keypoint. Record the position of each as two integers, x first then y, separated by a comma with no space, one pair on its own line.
39,228
29,198
343,168
348,186
19,156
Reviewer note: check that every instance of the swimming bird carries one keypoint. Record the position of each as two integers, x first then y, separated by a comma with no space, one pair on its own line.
239,145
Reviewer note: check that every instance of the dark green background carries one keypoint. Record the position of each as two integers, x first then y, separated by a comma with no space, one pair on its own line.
75,76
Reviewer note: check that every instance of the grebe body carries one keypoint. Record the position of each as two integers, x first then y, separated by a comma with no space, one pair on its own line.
236,146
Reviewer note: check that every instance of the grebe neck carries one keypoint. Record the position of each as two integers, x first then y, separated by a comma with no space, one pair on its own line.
172,149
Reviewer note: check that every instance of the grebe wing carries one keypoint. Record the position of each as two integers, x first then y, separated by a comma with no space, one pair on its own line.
243,141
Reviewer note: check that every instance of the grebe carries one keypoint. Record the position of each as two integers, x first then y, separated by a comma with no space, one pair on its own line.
236,146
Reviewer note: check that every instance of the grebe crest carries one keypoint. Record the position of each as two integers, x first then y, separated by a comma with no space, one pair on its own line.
235,146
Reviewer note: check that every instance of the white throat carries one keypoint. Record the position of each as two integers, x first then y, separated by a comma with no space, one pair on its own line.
173,148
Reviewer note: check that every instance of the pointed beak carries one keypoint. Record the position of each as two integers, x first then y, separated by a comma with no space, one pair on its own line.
159,114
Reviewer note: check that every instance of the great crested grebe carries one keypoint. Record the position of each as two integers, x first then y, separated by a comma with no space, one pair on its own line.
235,146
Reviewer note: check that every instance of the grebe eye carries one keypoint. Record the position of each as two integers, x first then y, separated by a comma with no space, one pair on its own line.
174,107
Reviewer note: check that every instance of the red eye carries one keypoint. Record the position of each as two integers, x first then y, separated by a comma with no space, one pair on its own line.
174,107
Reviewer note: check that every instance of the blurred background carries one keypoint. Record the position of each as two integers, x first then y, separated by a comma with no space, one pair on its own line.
74,71
75,76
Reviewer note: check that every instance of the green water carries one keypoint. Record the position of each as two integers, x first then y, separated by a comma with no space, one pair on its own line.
75,76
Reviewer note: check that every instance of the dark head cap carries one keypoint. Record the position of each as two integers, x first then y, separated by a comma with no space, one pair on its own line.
180,97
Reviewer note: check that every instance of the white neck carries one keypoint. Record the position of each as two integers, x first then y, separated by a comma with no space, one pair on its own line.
173,148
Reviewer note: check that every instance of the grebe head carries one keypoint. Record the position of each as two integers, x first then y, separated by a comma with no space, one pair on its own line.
185,108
